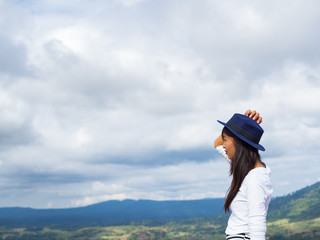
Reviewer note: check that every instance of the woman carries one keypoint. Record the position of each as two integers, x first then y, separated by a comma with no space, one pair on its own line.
249,194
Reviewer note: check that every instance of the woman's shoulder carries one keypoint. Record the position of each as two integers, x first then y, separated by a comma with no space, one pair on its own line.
260,170
259,175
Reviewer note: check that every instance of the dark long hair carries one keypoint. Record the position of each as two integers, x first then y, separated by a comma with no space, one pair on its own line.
244,160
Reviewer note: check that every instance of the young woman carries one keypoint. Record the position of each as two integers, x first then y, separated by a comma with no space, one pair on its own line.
249,194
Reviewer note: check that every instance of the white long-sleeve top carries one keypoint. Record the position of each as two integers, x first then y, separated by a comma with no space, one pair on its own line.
250,206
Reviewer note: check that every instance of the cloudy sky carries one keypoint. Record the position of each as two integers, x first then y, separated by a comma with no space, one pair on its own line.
118,99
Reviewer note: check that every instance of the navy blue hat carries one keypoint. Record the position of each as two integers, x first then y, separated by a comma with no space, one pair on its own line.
246,129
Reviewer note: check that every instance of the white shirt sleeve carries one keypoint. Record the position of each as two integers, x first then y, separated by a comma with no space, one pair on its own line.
257,209
221,150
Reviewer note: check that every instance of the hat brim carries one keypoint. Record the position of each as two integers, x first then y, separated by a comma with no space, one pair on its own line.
255,145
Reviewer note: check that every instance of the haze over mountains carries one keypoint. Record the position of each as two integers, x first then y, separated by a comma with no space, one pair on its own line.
113,212
301,205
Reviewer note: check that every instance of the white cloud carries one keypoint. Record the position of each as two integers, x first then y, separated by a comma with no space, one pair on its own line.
129,3
119,99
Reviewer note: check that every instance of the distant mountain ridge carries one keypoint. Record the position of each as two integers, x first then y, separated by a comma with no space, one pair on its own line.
113,212
300,205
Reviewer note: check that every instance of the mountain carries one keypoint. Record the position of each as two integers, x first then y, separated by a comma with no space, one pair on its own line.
112,212
295,216
300,206
303,204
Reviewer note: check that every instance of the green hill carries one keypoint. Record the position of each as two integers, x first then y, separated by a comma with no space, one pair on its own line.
295,216
300,205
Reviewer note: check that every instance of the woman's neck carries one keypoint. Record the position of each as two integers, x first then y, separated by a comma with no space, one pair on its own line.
259,164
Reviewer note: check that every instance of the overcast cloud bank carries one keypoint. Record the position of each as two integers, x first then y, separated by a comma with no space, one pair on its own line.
119,99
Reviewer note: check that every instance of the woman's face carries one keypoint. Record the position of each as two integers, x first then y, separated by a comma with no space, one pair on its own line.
229,146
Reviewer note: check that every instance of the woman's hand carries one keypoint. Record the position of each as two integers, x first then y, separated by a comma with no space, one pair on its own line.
254,115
